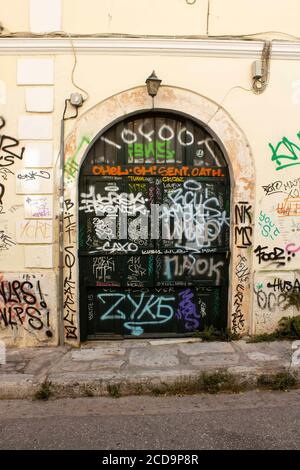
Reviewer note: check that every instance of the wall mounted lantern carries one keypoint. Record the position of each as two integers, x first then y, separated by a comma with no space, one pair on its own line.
153,84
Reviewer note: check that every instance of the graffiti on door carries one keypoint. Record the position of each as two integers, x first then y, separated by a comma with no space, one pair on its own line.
191,216
135,312
154,214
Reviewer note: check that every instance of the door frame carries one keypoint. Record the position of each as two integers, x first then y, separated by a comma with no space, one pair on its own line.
242,177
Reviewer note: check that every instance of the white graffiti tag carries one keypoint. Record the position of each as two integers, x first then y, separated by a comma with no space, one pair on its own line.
112,203
135,269
196,216
105,228
191,267
102,266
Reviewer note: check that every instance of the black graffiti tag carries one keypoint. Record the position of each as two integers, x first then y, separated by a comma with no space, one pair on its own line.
243,228
2,191
282,285
242,273
5,240
69,282
276,255
7,157
270,301
4,172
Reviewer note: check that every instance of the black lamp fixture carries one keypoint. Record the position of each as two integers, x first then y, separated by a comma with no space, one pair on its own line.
153,84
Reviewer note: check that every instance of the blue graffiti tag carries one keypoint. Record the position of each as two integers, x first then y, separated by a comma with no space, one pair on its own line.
155,311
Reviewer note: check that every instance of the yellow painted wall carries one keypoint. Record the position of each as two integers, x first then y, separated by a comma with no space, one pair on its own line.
135,16
167,17
14,15
264,119
249,17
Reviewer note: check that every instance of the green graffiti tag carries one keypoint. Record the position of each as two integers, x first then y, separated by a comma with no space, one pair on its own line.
160,150
286,150
71,166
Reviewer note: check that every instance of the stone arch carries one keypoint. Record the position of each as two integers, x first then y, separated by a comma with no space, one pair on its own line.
242,171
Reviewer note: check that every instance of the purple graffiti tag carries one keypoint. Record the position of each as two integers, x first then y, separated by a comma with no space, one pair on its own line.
187,310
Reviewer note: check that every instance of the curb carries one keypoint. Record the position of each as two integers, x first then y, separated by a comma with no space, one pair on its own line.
244,379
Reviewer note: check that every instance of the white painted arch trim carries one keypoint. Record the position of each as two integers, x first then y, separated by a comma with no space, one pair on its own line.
178,47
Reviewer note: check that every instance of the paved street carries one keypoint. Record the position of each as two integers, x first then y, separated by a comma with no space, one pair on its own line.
253,420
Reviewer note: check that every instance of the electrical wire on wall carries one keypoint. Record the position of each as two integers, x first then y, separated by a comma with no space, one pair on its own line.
260,81
5,33
225,96
74,68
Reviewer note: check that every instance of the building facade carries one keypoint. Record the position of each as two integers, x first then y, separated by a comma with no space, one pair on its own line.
129,215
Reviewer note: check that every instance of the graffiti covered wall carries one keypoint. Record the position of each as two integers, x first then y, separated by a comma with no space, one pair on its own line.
278,235
11,153
28,297
28,309
264,216
265,234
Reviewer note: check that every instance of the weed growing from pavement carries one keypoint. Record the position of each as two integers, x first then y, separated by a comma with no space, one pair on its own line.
183,386
210,333
288,328
207,382
213,382
264,337
88,392
292,298
138,389
219,382
280,381
114,390
44,391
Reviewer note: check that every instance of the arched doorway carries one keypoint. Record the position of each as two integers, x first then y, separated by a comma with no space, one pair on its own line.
242,172
154,229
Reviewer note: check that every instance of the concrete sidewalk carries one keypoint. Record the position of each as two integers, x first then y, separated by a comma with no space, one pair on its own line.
131,363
